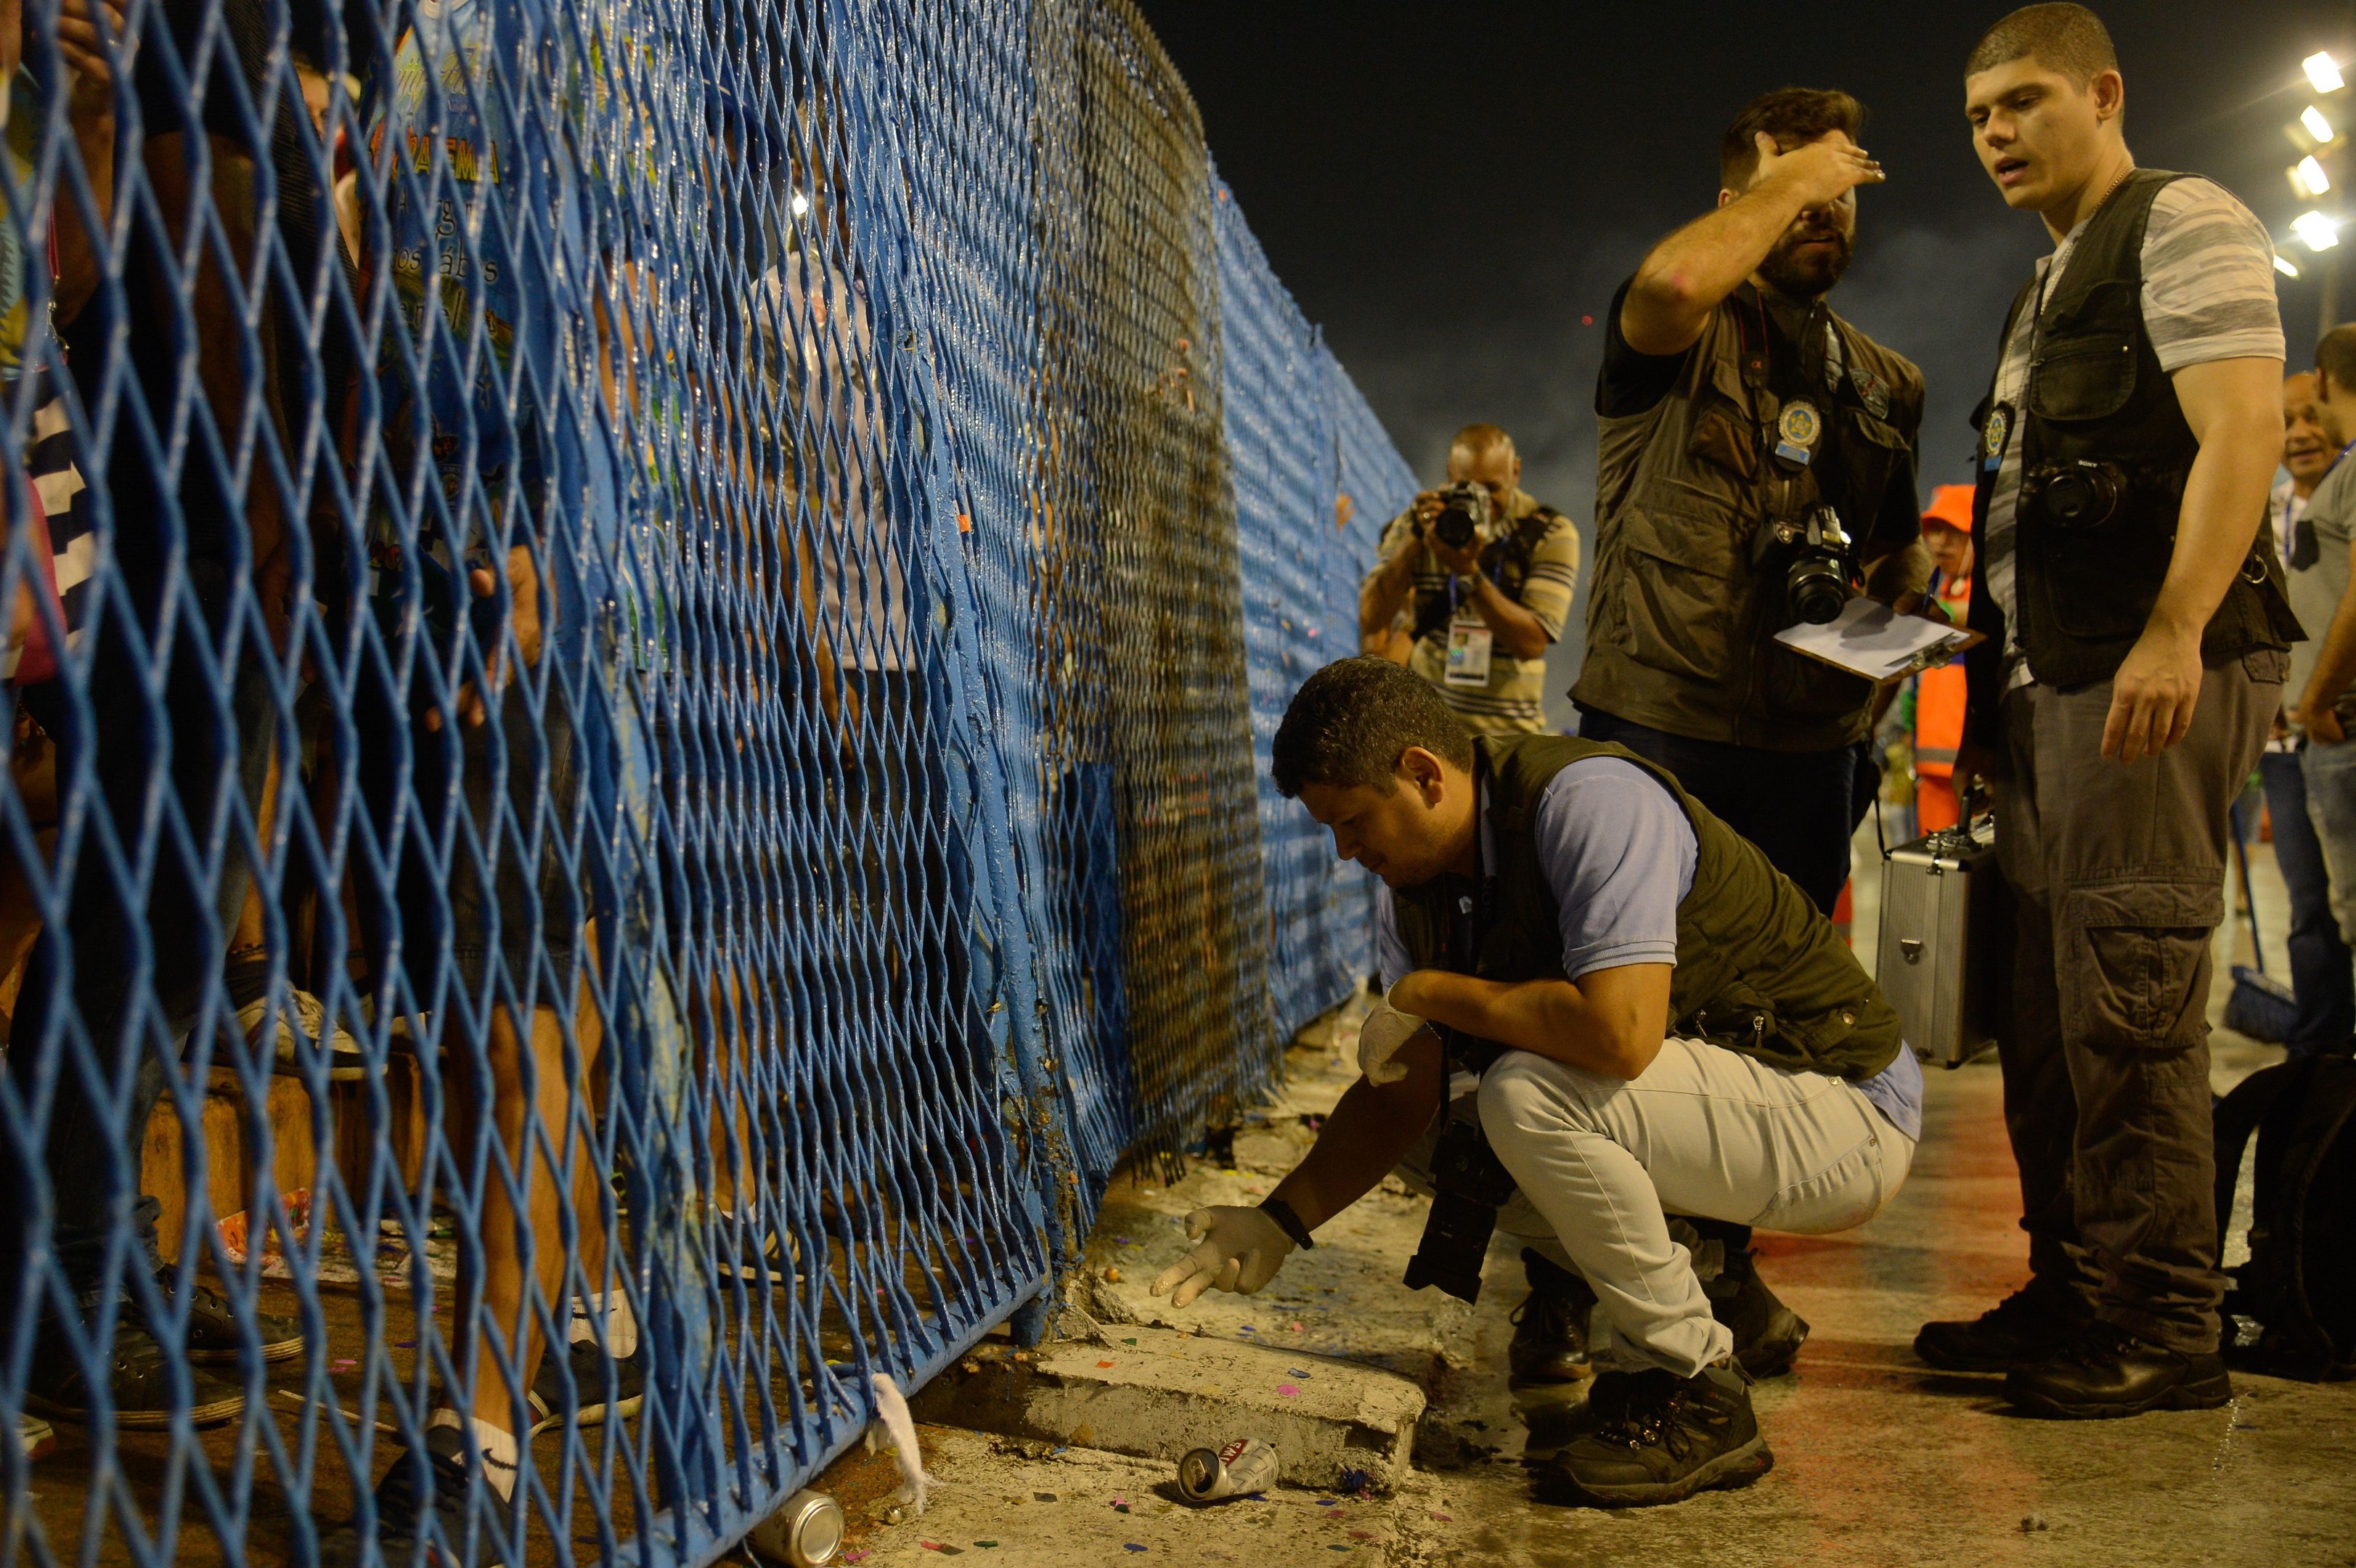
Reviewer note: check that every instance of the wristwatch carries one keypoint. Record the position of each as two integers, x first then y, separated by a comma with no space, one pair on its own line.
1278,1209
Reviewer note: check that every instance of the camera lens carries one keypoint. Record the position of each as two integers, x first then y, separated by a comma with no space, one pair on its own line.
1454,529
1816,590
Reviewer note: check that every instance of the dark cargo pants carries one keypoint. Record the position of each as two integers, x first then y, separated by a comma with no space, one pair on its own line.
2118,871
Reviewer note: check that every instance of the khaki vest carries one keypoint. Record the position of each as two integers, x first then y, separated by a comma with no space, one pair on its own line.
1683,614
1760,970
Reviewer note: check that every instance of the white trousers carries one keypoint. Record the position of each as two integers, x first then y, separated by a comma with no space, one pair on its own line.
1704,1131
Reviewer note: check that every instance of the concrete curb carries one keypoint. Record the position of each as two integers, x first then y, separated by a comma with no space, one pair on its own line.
1155,1393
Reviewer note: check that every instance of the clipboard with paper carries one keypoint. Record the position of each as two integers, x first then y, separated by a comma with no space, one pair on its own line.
1869,639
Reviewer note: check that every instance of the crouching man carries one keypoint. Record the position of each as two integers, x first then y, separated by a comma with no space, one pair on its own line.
1660,1022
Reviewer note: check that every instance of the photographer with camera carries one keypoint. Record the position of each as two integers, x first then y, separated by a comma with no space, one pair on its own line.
2137,645
1755,463
1655,1014
1488,573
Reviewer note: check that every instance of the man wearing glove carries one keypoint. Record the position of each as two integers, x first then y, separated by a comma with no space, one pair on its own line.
1655,1015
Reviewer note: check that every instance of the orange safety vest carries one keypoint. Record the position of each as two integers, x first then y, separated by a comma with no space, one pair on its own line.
1939,699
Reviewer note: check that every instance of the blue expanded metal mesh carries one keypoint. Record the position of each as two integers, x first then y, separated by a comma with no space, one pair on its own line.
632,766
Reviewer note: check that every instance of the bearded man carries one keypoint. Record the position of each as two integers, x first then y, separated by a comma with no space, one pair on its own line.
1740,417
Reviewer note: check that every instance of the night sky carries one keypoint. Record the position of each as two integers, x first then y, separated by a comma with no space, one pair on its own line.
1449,189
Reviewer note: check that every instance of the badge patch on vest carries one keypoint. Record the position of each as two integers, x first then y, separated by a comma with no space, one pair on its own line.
1871,390
1993,436
1796,434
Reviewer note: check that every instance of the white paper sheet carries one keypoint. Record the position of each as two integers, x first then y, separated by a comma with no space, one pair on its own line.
1868,639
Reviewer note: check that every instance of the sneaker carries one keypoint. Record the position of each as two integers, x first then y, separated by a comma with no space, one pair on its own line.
1767,1334
1659,1438
599,1401
36,1438
214,1337
426,1494
2107,1371
139,1384
2015,1332
302,1022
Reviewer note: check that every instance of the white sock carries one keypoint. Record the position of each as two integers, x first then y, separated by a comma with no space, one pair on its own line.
621,1322
497,1448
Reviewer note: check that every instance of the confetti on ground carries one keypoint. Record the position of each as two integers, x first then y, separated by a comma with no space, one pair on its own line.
1103,1364
1131,1546
1327,1502
1361,1535
1296,1327
1044,1497
1337,1546
1297,1371
1445,1517
1287,1390
343,1365
943,1547
991,1544
1247,1329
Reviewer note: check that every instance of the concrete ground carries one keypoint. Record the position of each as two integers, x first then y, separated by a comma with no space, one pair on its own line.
1880,1460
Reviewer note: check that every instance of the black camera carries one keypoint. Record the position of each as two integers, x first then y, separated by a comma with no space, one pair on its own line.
2075,498
1469,1184
1815,564
1464,515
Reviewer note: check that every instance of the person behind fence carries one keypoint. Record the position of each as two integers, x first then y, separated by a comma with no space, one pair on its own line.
1485,574
2322,689
501,599
182,539
2137,635
1738,417
2314,512
1654,1016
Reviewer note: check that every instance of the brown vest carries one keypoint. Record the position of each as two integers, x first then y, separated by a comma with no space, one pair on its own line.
1680,632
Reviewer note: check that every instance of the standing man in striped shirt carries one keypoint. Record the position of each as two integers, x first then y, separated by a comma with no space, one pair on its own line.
2138,641
1483,615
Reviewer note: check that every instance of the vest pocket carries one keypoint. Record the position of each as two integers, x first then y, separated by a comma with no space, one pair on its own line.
1677,596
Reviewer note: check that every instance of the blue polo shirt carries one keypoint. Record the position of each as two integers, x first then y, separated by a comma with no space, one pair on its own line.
1618,853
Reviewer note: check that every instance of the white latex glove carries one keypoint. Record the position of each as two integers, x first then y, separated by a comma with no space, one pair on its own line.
1386,1030
1241,1250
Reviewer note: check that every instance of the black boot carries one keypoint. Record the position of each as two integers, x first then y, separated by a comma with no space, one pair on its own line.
1767,1334
1659,1438
1550,1325
2107,1371
2023,1329
427,1500
141,1387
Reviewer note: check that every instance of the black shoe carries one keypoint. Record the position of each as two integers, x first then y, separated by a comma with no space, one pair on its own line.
1550,1327
2107,1371
2015,1332
424,1494
1767,1334
139,1384
1659,1438
599,1402
214,1337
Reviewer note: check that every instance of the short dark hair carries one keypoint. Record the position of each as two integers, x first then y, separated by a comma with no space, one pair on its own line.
1794,116
1350,723
2070,39
2336,357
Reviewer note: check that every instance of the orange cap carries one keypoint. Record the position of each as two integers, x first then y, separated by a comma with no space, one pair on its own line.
1951,504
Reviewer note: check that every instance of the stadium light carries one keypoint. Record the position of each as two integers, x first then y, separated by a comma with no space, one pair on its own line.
2316,125
2285,265
2316,231
2307,179
2323,71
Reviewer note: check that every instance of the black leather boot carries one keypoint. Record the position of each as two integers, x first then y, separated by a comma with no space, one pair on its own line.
1550,1325
2107,1371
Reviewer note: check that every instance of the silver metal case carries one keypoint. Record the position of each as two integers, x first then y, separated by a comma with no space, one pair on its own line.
1939,927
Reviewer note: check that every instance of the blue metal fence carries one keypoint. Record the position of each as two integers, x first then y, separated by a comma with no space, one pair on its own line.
642,638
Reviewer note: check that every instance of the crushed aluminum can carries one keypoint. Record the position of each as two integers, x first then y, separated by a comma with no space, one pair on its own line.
805,1534
1241,1469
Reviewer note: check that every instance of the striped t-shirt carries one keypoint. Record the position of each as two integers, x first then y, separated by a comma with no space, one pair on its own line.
1512,702
2208,295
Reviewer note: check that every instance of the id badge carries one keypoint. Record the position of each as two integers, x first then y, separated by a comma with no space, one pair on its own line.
1468,654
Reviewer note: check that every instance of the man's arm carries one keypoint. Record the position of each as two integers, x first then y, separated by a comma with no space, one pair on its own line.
1691,271
1610,1021
2234,408
1370,1130
1519,632
2335,668
1385,589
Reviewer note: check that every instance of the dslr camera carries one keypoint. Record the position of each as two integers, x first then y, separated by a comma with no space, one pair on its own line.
1814,555
1465,515
1469,1184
